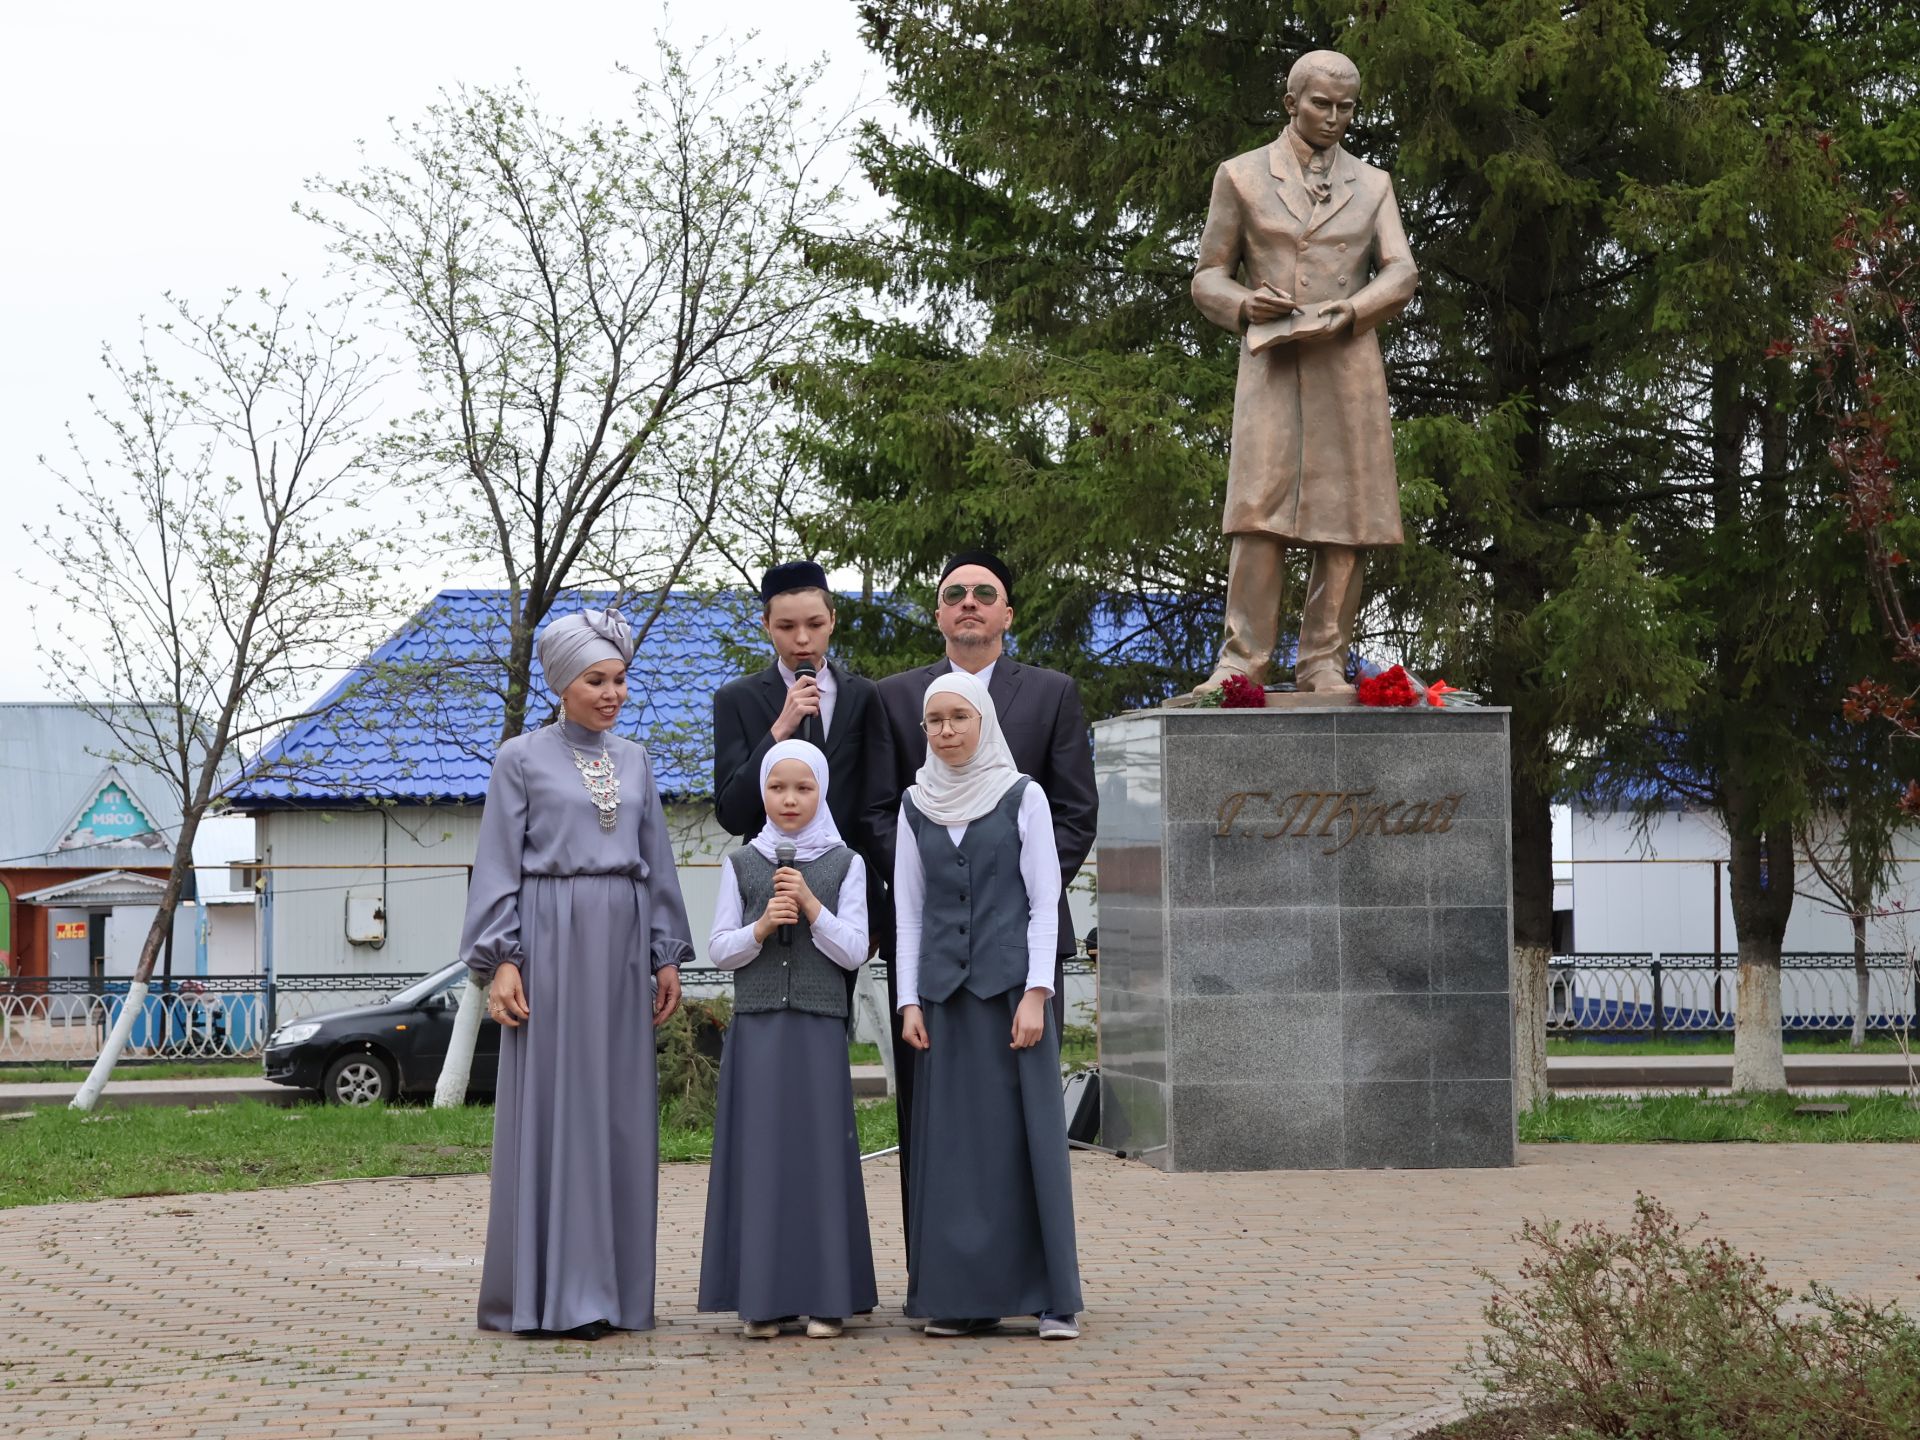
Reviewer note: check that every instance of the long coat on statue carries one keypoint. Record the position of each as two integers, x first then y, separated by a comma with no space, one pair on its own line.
1312,457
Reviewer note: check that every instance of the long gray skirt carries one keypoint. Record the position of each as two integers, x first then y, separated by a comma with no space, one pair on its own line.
786,1208
990,1187
576,1121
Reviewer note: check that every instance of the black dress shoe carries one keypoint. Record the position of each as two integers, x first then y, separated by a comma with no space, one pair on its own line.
592,1330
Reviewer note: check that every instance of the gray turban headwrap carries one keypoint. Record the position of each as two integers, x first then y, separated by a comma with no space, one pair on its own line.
573,642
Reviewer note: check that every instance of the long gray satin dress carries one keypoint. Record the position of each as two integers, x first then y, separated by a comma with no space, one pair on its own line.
588,915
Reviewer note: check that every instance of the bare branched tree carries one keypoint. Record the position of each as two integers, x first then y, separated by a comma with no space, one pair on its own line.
240,572
1849,847
599,314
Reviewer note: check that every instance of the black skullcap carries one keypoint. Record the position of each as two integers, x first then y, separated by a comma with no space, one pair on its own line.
987,560
794,575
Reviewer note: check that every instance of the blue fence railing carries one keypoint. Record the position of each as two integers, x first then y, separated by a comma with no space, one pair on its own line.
1696,993
65,1019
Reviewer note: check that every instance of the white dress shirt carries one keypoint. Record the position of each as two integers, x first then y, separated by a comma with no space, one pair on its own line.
1039,867
984,674
841,937
829,688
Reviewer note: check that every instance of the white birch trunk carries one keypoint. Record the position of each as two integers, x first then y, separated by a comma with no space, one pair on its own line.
451,1090
870,1005
96,1082
1759,1054
1863,995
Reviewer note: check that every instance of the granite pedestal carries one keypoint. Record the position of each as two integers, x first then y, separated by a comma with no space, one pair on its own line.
1305,923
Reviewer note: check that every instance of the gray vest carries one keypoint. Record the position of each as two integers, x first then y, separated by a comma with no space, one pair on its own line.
973,929
797,975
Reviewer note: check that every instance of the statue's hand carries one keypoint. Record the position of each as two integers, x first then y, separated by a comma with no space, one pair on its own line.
1267,303
1338,315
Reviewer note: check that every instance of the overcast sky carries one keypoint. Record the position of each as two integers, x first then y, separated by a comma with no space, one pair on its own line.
160,147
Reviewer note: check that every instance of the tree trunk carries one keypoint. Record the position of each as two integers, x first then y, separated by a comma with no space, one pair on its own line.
1761,859
1759,1057
519,678
870,1004
1863,997
1529,976
450,1091
1760,871
158,935
1520,584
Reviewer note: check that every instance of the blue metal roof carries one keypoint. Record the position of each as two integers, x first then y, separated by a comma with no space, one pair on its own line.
418,721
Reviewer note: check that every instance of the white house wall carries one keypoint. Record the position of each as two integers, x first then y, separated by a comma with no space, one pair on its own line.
127,927
1632,895
424,907
219,939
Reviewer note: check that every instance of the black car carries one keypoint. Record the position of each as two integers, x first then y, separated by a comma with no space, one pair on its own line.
384,1051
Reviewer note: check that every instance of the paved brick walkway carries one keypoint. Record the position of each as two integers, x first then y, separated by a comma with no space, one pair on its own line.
1289,1305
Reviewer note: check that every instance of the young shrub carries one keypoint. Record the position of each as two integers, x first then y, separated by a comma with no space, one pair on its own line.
1652,1333
689,1047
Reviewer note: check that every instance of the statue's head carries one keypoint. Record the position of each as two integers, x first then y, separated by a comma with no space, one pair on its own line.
1322,89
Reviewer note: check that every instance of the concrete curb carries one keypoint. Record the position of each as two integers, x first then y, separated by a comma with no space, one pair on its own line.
869,1083
150,1092
1709,1072
1409,1426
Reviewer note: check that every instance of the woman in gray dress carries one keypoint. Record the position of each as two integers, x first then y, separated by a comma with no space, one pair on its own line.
976,891
575,921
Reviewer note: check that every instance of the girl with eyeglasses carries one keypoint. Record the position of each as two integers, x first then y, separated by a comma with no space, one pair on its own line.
976,891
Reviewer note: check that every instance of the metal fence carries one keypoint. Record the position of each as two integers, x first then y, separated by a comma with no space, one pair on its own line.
1695,993
66,1020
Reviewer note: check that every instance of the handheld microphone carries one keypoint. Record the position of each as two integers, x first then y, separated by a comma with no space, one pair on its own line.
783,854
809,727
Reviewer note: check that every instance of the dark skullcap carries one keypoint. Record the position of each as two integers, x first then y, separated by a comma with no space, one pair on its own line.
986,559
794,575
573,642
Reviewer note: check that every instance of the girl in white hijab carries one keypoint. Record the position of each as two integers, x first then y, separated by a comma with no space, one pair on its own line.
976,885
786,1208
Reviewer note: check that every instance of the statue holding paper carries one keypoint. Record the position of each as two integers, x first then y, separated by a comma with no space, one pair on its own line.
1304,255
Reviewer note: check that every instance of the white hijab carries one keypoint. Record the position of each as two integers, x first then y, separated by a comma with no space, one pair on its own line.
960,794
819,834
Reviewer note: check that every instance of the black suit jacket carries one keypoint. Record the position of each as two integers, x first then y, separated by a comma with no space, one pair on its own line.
1046,729
743,714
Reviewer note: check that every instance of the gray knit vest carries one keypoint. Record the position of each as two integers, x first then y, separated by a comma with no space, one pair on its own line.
973,928
797,975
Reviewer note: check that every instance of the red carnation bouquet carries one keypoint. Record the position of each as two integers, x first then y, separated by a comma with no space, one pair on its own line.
1390,689
1396,689
1242,692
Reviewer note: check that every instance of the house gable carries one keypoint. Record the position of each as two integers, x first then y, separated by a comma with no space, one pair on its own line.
112,817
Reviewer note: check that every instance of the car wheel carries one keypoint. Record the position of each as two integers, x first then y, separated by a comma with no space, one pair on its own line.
357,1078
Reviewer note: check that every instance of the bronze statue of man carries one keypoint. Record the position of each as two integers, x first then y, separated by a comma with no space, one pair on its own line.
1303,255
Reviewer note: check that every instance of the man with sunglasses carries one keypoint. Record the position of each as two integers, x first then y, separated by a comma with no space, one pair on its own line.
1045,728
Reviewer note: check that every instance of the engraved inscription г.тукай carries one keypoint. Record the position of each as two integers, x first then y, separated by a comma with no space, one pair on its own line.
1319,812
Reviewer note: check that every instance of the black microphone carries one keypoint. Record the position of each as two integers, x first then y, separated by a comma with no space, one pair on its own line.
809,727
783,854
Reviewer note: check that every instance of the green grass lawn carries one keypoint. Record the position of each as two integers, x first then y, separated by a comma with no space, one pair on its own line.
1601,1120
1719,1045
52,1153
135,1070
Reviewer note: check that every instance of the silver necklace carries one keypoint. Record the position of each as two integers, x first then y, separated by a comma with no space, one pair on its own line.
603,785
